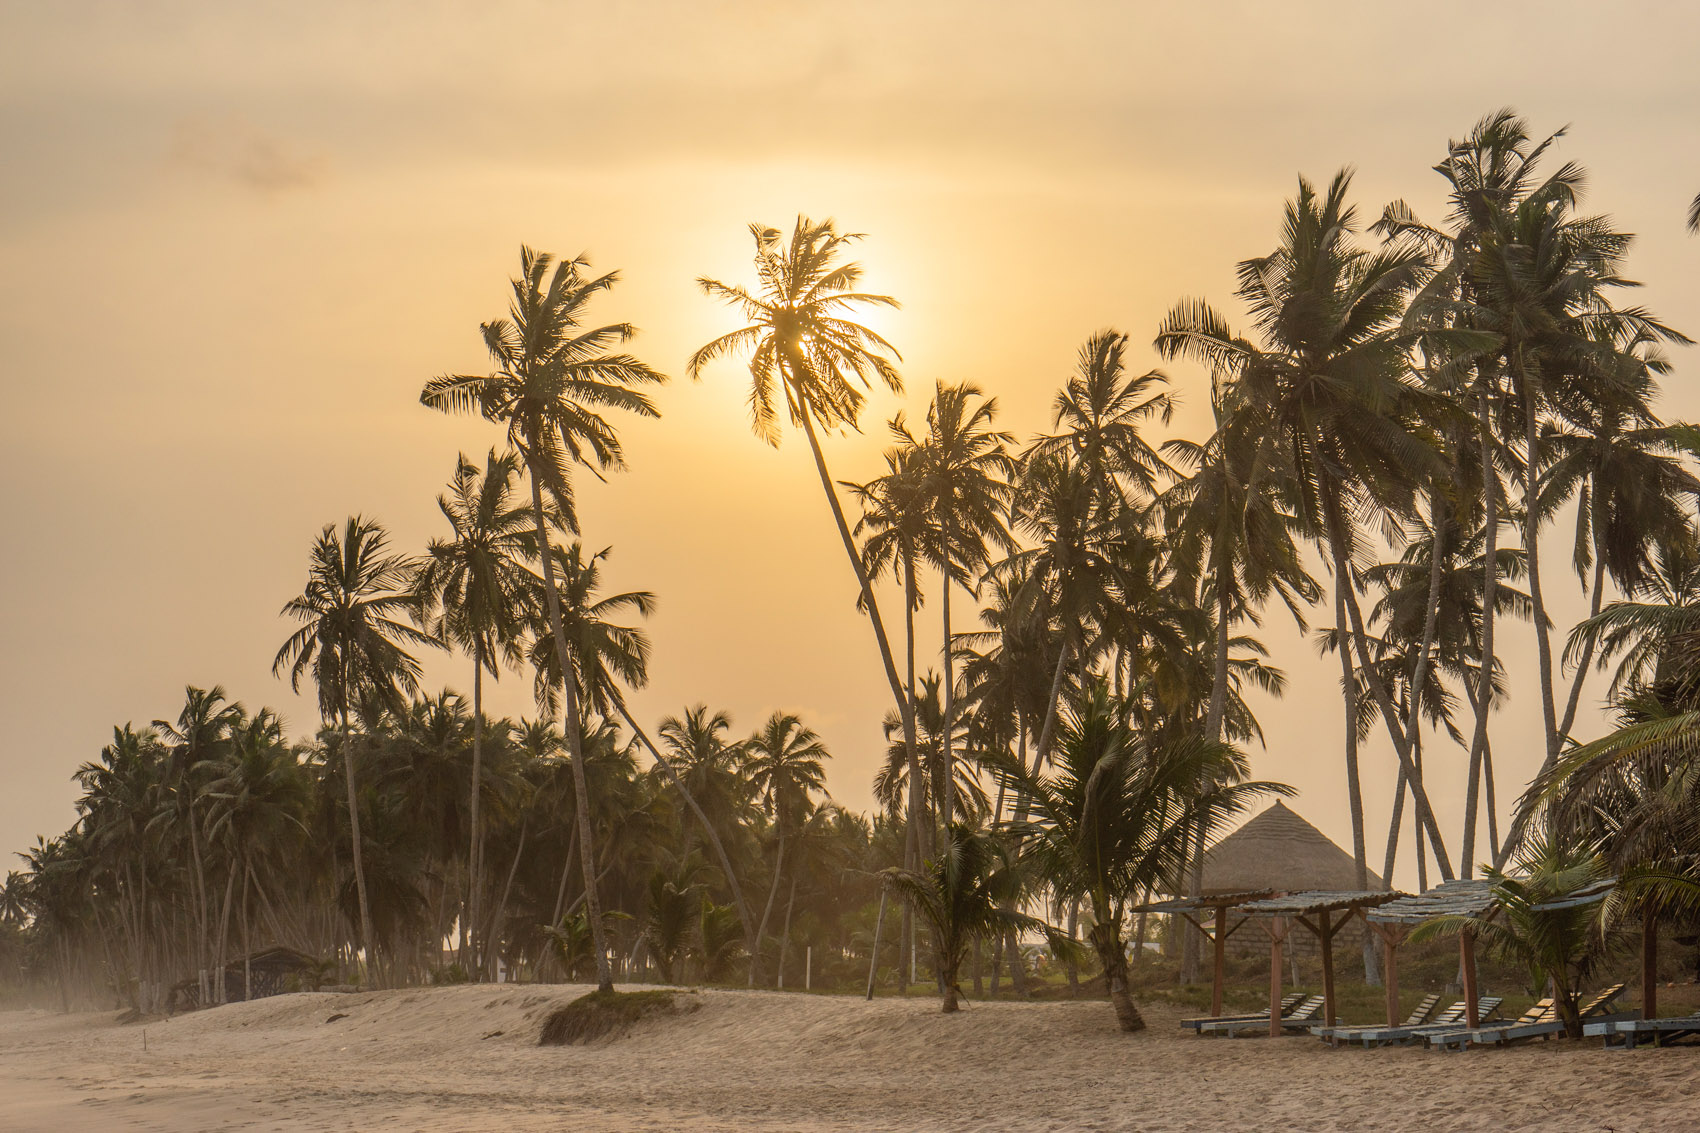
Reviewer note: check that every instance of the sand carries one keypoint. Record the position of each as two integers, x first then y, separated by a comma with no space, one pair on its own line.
465,1059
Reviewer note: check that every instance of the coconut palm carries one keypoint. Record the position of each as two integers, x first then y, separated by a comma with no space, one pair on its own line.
965,471
352,642
1099,414
785,768
1331,382
966,893
1117,815
477,593
805,348
553,380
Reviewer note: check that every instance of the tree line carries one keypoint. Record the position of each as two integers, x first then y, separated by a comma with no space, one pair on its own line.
1409,405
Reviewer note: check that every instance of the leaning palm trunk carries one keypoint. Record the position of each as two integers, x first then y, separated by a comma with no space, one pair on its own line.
575,746
1106,939
366,939
1190,950
905,706
1532,551
751,938
947,796
1413,724
761,930
475,852
1490,587
1587,657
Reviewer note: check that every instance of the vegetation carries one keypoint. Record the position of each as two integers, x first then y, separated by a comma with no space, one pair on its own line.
1411,406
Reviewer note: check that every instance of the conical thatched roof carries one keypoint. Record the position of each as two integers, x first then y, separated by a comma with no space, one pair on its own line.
1278,850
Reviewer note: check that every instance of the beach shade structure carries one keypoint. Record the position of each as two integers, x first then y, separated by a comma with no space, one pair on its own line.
1277,851
266,973
1209,915
1315,910
1393,921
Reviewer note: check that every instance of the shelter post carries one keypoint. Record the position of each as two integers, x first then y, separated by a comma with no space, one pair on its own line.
1277,936
1219,943
1649,963
1467,960
1326,939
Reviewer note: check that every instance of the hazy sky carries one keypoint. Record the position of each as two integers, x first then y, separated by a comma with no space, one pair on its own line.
235,240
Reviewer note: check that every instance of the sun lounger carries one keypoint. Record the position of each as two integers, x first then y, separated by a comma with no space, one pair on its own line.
1299,1017
1628,1032
1287,1004
1546,1027
1543,1012
1451,1019
1334,1036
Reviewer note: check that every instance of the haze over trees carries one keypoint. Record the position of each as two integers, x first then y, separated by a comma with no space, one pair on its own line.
1408,408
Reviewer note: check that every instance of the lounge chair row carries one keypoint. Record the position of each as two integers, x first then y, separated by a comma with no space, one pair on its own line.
1416,1028
1628,1033
1448,1030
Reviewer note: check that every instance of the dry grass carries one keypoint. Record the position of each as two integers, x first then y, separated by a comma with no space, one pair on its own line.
611,1015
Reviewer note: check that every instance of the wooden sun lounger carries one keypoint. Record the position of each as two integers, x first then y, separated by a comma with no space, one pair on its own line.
1451,1019
1627,1032
1287,1005
1546,1027
1334,1036
1301,1016
1543,1012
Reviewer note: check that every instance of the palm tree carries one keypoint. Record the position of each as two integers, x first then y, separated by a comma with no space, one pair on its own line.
351,643
965,471
804,347
1099,413
966,893
256,801
1332,384
552,380
477,591
1117,816
785,768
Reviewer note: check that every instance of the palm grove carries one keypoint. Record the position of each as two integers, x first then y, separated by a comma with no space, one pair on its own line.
1409,408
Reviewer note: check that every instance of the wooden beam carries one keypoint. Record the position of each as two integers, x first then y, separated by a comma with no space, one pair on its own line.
1467,960
1219,943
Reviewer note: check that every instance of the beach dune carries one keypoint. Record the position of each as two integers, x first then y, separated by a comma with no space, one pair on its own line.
466,1058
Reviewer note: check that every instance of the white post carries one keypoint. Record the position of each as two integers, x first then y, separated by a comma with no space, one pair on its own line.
808,967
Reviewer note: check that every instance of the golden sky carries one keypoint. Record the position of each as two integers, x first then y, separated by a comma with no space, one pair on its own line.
236,239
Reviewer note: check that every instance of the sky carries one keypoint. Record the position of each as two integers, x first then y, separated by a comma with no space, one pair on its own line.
236,239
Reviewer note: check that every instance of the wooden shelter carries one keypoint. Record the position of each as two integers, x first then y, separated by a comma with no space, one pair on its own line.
270,972
1315,910
1393,921
1213,909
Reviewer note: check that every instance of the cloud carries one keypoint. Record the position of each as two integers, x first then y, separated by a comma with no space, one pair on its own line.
232,148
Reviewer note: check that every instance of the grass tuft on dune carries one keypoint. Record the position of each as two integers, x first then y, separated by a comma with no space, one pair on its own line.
611,1015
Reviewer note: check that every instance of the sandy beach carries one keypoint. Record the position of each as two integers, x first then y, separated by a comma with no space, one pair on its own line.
466,1059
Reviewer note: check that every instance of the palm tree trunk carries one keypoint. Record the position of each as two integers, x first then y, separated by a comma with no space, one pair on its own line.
1349,690
761,931
1587,658
1191,948
366,938
751,943
575,745
1048,732
1532,549
491,930
1490,588
904,705
566,874
947,797
785,933
920,829
474,853
247,945
1107,940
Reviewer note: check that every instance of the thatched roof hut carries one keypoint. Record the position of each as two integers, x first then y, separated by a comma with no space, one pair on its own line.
1279,851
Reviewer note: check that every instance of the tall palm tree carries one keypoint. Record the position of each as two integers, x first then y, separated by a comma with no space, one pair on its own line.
475,590
1099,414
553,379
1332,383
965,471
785,768
805,348
352,643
